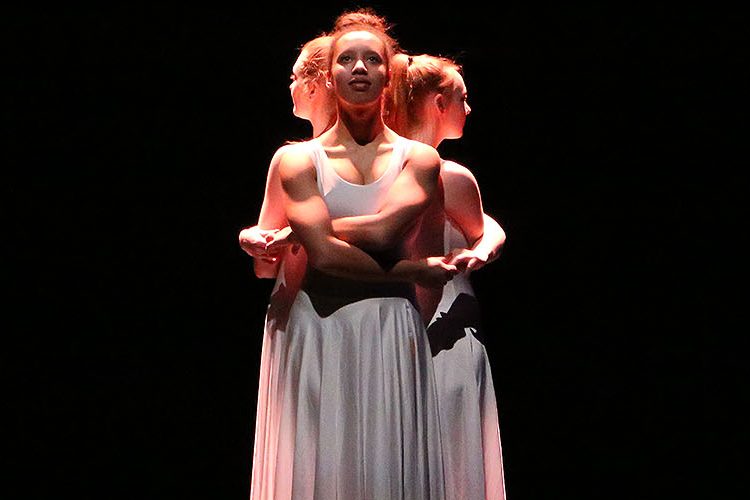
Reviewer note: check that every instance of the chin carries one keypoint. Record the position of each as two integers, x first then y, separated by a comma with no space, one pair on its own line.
360,99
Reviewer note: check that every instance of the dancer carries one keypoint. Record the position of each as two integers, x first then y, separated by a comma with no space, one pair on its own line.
363,428
428,102
436,77
312,101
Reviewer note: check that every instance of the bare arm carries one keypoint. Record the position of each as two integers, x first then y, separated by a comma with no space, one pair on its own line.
254,239
310,220
463,204
492,241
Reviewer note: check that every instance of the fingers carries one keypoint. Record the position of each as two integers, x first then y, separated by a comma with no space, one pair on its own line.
276,245
449,271
475,264
252,249
451,268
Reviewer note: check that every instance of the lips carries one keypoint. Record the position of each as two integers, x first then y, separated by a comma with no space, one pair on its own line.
358,84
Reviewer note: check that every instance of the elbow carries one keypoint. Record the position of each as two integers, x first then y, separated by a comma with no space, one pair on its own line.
499,246
501,237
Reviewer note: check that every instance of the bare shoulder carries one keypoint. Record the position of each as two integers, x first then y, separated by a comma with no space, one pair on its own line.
279,153
294,160
295,157
423,156
453,173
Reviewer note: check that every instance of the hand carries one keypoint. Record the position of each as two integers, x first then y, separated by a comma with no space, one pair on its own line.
281,239
435,273
253,241
466,259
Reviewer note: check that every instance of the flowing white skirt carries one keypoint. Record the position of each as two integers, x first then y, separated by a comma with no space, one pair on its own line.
347,406
469,420
470,431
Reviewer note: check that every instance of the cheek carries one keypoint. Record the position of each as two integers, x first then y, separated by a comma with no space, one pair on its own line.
338,76
383,73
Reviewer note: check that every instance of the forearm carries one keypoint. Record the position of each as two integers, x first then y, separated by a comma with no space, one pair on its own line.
339,258
492,240
364,231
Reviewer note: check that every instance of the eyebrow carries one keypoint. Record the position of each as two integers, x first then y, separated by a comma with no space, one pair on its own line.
366,51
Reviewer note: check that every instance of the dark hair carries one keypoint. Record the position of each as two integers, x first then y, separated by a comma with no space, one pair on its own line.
413,78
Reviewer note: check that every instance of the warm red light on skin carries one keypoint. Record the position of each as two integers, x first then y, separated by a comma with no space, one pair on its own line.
359,56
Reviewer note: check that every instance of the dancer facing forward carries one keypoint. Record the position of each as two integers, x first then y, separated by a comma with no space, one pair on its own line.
354,390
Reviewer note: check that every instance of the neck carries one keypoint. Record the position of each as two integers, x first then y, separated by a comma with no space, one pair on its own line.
321,121
427,132
362,123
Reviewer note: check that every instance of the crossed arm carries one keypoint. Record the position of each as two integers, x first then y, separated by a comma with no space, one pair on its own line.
463,204
309,218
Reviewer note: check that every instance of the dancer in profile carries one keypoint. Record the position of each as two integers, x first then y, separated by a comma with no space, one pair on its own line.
428,102
353,388
313,101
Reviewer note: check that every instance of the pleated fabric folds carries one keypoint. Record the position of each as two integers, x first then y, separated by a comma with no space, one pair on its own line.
347,406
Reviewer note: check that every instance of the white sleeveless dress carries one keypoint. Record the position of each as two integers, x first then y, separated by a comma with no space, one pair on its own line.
347,407
470,431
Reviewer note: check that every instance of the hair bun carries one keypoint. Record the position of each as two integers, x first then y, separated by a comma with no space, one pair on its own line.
364,16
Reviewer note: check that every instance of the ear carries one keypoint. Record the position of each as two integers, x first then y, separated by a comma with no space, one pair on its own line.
329,83
439,101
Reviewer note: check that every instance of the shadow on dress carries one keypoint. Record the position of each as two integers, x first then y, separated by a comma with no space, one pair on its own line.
450,327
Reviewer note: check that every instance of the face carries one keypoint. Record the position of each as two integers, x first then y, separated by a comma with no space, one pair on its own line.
298,87
358,72
457,107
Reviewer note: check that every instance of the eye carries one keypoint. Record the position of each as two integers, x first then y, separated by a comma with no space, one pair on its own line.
345,58
374,59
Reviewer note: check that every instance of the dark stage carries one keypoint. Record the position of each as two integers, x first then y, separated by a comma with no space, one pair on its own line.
144,136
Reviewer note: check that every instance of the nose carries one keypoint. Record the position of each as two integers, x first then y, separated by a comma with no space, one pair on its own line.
359,67
467,108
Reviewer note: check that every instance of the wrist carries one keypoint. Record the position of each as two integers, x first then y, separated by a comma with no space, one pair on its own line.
408,270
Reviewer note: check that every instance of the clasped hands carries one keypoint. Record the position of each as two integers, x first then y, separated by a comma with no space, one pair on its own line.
269,244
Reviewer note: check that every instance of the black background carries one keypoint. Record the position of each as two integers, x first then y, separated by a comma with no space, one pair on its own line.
143,136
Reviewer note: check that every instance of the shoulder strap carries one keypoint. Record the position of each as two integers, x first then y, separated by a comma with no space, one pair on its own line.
402,147
317,155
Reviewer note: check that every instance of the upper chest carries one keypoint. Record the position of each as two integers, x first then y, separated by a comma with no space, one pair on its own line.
362,165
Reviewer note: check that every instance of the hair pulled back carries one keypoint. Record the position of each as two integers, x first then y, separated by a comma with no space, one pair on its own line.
364,19
413,79
317,54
